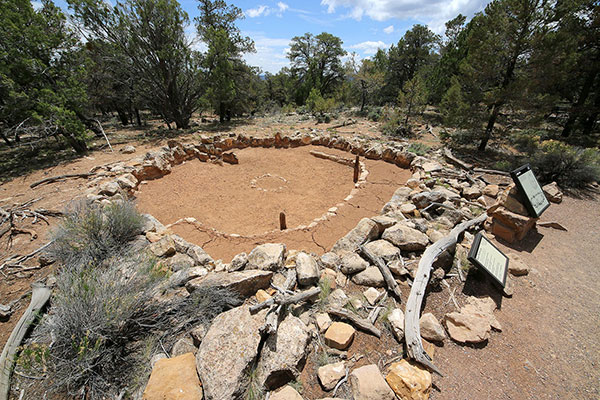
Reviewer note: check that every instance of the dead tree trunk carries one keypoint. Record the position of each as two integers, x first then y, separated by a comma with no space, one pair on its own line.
412,331
39,297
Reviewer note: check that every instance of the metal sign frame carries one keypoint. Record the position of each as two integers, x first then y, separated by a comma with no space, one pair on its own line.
533,185
473,257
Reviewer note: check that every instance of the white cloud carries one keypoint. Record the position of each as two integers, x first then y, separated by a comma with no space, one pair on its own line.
282,6
271,53
369,47
433,12
257,12
263,11
37,5
389,29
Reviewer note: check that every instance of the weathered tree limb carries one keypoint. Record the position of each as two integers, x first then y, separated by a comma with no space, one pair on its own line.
356,320
39,297
412,331
16,260
284,300
491,171
450,157
104,134
385,271
61,177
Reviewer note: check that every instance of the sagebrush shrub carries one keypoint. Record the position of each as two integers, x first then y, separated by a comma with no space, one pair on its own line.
567,165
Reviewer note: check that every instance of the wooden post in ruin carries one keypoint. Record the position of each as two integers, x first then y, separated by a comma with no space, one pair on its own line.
282,224
356,169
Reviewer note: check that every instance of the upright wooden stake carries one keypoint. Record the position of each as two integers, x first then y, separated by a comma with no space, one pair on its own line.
282,224
356,170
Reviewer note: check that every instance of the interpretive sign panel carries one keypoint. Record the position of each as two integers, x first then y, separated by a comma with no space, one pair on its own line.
533,196
488,257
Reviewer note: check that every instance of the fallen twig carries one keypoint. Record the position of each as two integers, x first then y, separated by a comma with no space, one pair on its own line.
61,177
356,320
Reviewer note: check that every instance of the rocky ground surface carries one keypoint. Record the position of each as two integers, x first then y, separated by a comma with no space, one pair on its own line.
342,334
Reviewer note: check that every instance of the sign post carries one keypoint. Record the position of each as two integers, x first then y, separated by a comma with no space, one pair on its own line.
531,192
488,257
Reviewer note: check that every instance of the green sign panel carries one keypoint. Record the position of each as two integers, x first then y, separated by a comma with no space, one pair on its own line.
531,192
485,255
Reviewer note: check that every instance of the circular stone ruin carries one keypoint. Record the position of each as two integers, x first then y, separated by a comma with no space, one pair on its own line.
226,193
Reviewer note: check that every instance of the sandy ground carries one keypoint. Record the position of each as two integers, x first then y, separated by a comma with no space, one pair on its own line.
221,197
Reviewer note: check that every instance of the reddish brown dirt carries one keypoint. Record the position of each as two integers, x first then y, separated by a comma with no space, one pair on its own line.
221,198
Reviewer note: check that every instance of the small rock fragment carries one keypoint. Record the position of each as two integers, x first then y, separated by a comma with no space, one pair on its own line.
339,335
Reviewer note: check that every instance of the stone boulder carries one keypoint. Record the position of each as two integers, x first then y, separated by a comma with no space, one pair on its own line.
238,262
245,283
337,298
330,374
406,238
331,260
352,263
474,321
553,192
517,266
369,277
287,393
339,335
431,329
307,269
269,256
368,384
128,149
109,188
174,378
227,353
183,346
283,354
409,381
365,231
423,199
384,249
396,320
164,247
180,261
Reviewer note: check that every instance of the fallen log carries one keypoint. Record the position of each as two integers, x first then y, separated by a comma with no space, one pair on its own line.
412,331
356,320
385,271
61,177
39,298
453,160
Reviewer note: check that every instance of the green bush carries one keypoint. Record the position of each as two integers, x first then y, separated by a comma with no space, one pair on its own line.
419,149
567,165
375,114
90,233
393,124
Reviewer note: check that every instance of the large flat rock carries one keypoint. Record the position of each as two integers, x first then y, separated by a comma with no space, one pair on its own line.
227,353
245,283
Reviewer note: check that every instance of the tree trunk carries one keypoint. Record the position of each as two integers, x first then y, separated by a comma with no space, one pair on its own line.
123,117
575,110
6,139
137,116
490,127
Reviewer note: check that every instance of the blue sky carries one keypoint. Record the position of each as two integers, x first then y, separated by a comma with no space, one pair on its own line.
363,25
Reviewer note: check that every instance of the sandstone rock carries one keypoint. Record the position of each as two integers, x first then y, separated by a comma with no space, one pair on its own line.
227,353
199,256
109,188
269,256
174,378
183,346
238,262
516,265
151,224
353,263
287,393
307,269
368,384
408,209
164,247
432,166
406,238
397,268
330,374
471,192
366,230
369,277
473,323
128,149
230,158
553,192
413,183
383,249
331,260
262,296
127,181
373,295
338,298
396,320
423,199
431,329
323,321
491,190
245,283
283,353
339,335
409,381
180,261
